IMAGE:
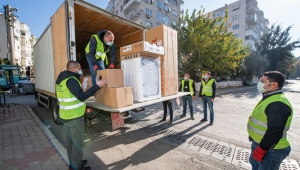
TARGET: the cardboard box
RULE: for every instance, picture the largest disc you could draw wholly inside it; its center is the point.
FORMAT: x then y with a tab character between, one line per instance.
115	77
167	37
142	47
86	82
115	97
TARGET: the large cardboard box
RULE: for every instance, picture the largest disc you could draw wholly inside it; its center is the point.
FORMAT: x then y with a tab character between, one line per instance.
167	37
115	77
86	82
115	97
142	47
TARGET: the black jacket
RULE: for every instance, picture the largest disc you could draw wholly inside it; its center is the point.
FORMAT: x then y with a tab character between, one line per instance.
75	87
186	84
277	116
93	47
213	87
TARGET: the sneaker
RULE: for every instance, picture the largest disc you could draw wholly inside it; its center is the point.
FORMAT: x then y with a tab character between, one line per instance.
170	123
182	116
192	117
203	120
211	123
162	120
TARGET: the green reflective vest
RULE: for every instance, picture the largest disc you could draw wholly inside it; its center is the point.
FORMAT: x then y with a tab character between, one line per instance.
190	85
207	88
100	53
69	106
257	122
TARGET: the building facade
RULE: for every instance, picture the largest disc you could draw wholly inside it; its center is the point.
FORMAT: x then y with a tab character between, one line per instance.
149	13
246	20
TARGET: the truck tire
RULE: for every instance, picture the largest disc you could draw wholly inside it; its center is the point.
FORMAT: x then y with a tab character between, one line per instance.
55	112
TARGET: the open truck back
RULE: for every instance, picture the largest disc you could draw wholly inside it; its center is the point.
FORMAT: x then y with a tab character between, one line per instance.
65	39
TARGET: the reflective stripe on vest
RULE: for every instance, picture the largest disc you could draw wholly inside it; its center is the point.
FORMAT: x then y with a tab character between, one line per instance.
190	85
100	53
69	106
258	123
207	88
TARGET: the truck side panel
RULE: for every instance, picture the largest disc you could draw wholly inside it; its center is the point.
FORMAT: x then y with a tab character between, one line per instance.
59	40
43	62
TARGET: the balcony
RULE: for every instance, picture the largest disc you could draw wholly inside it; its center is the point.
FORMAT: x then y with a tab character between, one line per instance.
182	2
251	28
131	4
251	19
133	15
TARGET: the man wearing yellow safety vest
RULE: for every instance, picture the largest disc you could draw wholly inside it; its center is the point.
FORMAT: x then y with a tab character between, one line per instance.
71	110
187	85
268	124
101	46
207	94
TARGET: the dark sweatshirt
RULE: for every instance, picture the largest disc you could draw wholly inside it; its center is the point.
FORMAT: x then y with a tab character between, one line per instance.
277	116
187	87
93	47
75	87
213	87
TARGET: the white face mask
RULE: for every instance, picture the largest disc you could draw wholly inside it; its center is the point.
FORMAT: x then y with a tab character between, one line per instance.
79	72
185	78
109	43
260	87
205	77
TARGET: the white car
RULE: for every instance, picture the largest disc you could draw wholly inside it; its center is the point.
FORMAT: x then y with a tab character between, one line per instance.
23	79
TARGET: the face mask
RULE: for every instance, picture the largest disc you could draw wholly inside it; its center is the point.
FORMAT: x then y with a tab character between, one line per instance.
109	43
205	77
185	78
260	87
79	72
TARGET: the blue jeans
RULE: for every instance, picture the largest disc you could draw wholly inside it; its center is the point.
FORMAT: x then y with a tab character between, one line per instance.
271	160
100	64
188	99
207	101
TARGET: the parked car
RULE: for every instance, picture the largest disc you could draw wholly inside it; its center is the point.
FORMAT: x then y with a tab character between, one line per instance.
23	79
298	78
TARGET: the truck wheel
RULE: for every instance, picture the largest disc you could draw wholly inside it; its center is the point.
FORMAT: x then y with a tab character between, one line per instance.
55	112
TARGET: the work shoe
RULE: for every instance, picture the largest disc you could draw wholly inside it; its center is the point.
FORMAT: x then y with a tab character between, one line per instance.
162	120
203	120
211	123
192	117
182	116
83	163
170	123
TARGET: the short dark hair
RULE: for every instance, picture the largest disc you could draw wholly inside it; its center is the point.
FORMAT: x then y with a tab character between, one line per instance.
208	72
275	76
107	33
71	64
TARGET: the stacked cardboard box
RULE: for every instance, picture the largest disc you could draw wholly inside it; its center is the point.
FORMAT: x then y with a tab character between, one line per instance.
166	37
142	47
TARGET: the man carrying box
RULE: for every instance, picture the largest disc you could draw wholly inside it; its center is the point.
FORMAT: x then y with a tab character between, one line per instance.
72	108
96	51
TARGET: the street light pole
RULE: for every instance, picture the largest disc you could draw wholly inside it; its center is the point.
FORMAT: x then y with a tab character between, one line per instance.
9	26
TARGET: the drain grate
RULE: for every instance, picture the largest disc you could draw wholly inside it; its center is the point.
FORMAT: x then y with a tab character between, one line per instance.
289	164
241	157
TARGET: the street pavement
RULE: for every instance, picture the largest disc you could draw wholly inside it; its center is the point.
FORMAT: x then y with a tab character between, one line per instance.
145	144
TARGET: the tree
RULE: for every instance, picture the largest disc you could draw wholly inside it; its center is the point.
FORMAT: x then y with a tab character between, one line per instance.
277	45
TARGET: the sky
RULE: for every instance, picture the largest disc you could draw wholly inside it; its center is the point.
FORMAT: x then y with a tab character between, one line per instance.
36	13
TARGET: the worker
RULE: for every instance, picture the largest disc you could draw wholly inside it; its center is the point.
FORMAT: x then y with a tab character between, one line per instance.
166	104
187	85
207	94
97	50
268	124
72	108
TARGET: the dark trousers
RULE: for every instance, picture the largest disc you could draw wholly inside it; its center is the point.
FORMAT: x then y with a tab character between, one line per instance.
75	139
168	104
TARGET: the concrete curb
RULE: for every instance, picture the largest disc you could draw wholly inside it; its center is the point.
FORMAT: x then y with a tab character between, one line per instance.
57	145
230	90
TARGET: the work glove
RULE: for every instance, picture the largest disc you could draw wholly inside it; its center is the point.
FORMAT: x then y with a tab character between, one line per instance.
258	154
95	67
112	66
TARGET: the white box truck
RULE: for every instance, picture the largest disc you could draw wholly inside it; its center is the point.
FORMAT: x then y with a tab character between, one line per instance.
65	38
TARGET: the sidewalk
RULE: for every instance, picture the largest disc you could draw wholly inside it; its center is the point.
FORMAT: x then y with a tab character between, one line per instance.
25	143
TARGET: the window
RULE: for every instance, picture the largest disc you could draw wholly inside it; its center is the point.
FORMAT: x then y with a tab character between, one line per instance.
236	17
110	6
235	8
175	12
236	35
149	1
116	12
159	17
121	8
167	8
174	23
174	2
166	20
160	4
148	12
216	14
148	24
235	27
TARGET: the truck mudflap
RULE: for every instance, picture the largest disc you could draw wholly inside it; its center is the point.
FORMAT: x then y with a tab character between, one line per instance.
117	120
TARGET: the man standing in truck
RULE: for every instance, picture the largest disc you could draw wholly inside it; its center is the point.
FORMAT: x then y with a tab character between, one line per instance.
100	46
72	107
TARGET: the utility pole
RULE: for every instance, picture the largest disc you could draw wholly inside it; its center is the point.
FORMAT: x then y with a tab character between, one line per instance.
10	22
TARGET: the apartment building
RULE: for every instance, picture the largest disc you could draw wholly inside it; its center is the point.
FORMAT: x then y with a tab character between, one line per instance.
149	13
246	20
